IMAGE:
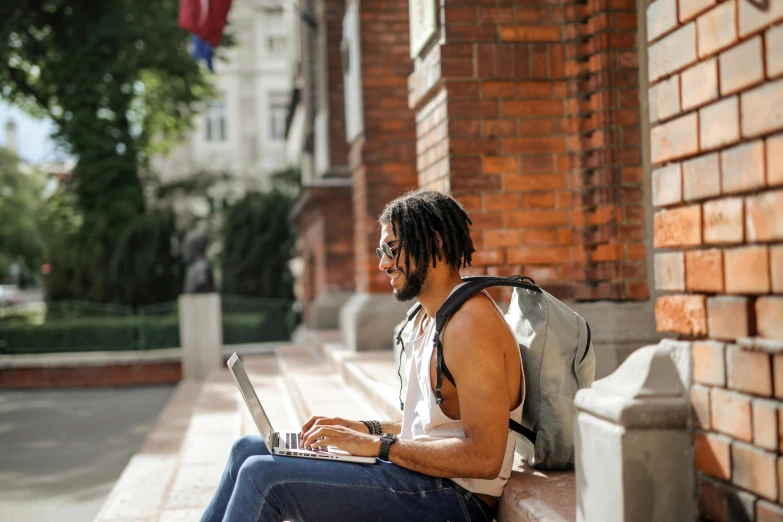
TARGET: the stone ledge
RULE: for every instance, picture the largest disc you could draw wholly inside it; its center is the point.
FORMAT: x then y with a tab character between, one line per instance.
533	495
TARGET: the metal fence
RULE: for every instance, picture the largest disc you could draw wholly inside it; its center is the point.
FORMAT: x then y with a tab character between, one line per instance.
78	326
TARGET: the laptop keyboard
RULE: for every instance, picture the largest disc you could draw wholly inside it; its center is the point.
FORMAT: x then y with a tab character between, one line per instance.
292	440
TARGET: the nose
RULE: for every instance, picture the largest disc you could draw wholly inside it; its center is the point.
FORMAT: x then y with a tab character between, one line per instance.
385	263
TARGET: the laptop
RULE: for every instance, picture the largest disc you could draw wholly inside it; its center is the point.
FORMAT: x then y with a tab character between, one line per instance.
279	442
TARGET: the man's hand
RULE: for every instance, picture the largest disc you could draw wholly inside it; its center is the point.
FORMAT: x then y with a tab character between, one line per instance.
342	437
319	421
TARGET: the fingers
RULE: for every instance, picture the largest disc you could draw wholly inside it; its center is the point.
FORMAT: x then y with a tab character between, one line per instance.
309	424
316	436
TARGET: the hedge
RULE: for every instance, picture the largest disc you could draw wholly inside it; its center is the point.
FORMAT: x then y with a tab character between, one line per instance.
134	333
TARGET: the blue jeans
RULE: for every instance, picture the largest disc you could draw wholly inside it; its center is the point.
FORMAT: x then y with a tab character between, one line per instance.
257	486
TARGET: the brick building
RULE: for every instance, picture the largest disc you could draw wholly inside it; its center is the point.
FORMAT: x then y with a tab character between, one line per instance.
627	156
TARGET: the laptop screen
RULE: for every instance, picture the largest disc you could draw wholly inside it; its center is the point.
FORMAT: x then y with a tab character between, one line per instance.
251	399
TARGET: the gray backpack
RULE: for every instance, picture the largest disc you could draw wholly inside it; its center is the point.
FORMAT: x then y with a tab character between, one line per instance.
557	357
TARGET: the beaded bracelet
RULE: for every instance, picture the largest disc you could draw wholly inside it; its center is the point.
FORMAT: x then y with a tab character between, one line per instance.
373	426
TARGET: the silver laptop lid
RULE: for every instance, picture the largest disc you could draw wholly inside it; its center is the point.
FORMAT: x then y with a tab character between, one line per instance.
251	399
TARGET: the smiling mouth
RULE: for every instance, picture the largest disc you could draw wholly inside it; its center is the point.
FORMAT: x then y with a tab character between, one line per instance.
394	276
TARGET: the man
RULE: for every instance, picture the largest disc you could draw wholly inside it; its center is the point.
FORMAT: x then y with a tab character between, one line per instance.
442	462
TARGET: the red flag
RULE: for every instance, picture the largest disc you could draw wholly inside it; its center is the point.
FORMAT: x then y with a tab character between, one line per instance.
204	18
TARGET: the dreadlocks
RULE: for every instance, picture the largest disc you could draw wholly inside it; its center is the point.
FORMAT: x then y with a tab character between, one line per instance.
417	215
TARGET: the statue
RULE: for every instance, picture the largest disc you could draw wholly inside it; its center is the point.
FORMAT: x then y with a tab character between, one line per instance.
198	278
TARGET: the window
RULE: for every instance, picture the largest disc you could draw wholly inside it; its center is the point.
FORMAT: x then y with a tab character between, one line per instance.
215	120
276	44
278	108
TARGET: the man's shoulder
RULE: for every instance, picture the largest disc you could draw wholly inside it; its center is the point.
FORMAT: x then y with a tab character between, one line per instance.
476	320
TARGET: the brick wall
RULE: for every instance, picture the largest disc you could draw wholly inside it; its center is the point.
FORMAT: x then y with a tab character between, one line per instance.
383	159
529	115
326	243
716	105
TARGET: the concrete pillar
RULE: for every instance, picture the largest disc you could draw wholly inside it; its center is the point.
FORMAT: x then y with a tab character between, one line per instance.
201	334
634	456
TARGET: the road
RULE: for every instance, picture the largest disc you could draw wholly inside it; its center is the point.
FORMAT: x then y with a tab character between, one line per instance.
61	451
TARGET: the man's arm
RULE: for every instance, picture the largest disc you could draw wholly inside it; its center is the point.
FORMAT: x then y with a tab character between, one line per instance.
477	364
318	421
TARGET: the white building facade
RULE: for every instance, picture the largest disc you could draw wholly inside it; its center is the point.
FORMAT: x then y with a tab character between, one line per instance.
241	132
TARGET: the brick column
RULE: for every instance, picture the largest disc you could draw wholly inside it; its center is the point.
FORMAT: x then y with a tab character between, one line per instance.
529	115
716	96
382	162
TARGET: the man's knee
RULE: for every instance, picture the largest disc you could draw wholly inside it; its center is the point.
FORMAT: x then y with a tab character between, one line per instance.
244	448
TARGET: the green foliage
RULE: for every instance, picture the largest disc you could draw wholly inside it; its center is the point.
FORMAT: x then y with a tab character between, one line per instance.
21	204
117	80
257	244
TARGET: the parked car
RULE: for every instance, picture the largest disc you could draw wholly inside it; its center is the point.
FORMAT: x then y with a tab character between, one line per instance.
9	295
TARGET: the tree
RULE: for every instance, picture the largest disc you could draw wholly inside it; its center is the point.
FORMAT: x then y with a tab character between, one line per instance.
117	80
21	202
257	244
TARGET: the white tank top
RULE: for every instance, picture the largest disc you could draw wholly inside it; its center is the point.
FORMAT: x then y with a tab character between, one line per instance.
422	416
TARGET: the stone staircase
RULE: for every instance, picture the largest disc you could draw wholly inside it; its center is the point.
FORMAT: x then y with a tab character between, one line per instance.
175	472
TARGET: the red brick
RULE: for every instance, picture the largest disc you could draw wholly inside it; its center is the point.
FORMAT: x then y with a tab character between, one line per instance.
719	124
664	99
774	146
667	185
751	18
708	363
499	127
607	252
535	89
763	216
704	270
526	182
528	33
502	201
674	52
637	251
723	221
498	89
701	177
768	512
730	414
501	238
661	18
765	424
678	227
774	41
717	28
457	15
472	108
540	237
670	271
777	377
471	33
776	268
713	455
762	109
537	218
700	406
747	270
691	8
699	84
684	314
533	145
741	66
529	14
742	167
538	200
538	255
748	371
488	257
496	15
728	317
675	139
533	108
754	470
769	311
500	164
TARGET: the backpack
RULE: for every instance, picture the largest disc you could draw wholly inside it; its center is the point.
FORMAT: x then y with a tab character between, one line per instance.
557	356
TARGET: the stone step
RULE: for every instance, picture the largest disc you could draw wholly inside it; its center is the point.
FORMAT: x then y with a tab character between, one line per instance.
141	489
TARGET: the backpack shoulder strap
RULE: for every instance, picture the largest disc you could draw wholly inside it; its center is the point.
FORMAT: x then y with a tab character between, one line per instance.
453	303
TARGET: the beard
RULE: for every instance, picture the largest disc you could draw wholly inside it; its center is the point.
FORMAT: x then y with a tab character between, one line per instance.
414	282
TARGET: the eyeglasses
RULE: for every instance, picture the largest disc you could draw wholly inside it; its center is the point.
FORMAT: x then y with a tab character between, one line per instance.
386	250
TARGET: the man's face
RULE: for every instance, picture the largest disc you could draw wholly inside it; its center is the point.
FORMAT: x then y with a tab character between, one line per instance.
406	282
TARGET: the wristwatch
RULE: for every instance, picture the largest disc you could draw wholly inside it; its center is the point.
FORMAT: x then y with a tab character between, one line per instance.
387	439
